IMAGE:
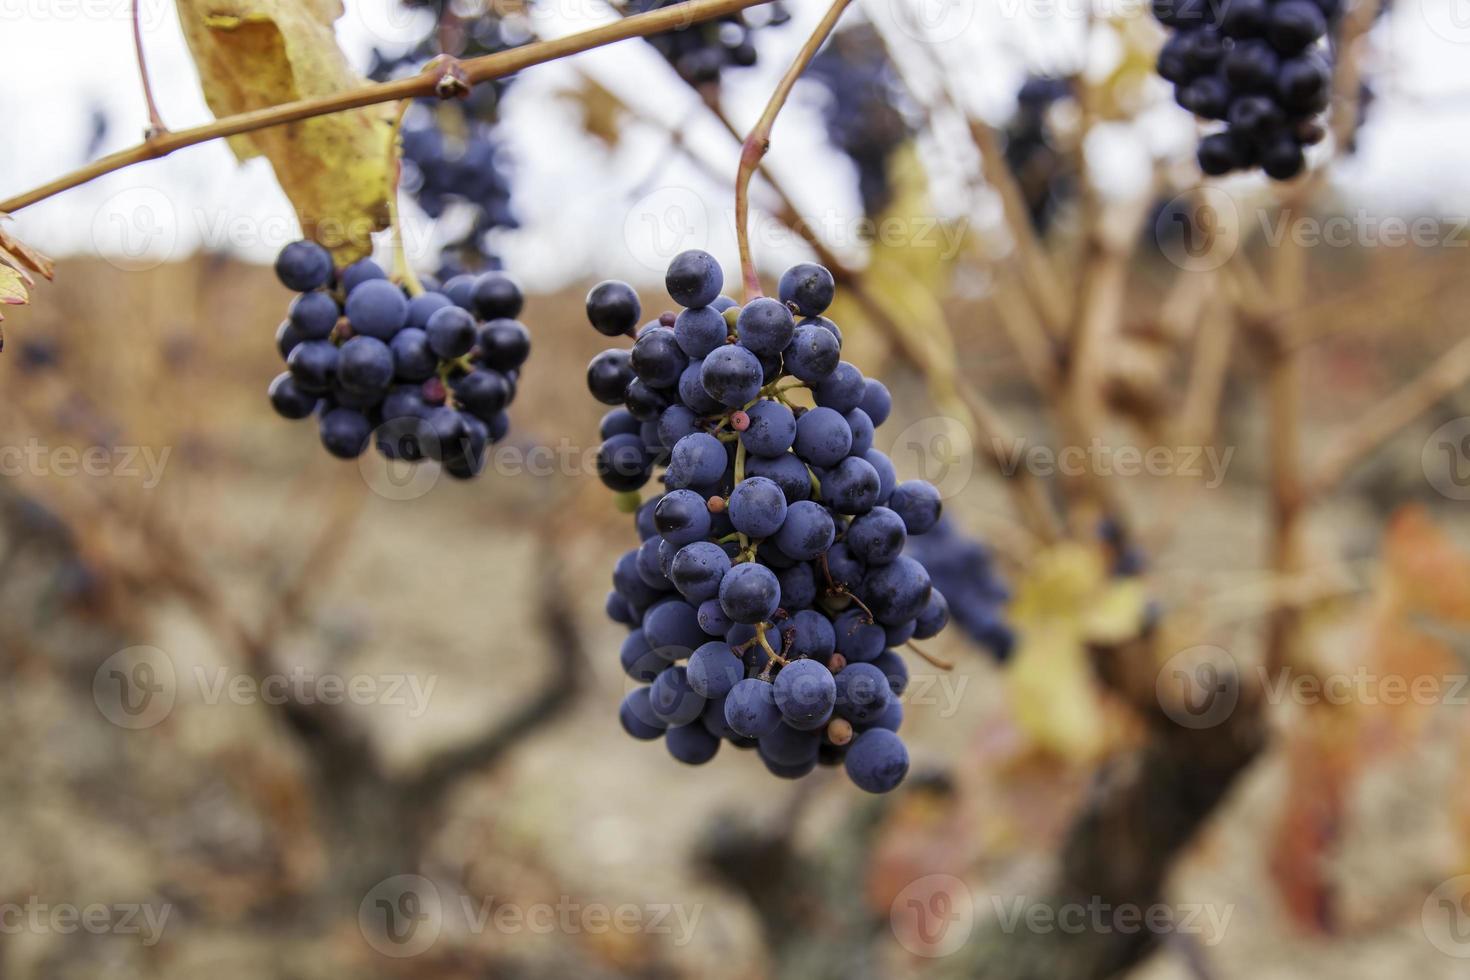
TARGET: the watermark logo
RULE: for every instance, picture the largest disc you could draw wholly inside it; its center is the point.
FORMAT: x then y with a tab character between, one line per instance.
1198	231
938	449
933	21
1446	459
402	916
1199	687
1449	20
933	916
135	688
664	223
138	687
1446	917
136	229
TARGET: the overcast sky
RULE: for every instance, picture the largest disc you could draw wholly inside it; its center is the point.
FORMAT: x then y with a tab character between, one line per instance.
587	212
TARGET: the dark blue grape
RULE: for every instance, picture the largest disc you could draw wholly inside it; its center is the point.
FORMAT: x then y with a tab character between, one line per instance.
750	708
290	401
750	593
877	761
698	460
698	569
731	375
314	315
700	331
808	287
345	432
304	266
413	360
377	308
757	507
365	364
691	744
842	390
765	326
613	308
638	718
807	532
862	693
714	670
672	699
805	693
813	353
694	278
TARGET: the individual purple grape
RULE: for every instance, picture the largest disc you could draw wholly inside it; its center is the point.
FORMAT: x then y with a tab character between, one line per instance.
765	326
377	308
694	278
714	670
750	593
699	331
732	376
757	507
805	693
877	761
808	287
613	308
304	266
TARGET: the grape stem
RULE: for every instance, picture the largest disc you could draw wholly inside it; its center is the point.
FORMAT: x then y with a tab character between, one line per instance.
156	128
740	476
939	662
474	71
758	142
402	268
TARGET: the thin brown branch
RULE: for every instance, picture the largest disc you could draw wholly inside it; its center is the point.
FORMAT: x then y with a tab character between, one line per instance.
566	667
472	71
1390	416
758	142
155	121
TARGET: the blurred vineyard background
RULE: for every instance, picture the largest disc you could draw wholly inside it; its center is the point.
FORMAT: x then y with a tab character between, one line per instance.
221	536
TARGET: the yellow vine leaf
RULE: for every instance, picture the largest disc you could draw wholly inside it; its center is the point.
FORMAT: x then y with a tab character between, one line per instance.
1066	601
334	168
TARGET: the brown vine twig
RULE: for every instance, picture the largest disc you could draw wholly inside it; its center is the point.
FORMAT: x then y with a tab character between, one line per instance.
475	71
155	121
1390	416
759	141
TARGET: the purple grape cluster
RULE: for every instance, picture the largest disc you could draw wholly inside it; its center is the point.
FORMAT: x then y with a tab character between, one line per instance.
964	570
451	154
1258	66
869	113
431	376
771	585
1044	172
700	52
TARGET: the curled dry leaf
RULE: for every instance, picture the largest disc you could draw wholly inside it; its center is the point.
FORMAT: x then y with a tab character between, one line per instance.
334	168
17	261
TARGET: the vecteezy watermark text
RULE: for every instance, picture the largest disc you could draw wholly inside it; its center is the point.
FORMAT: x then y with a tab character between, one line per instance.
64	919
35	458
403	916
1099	459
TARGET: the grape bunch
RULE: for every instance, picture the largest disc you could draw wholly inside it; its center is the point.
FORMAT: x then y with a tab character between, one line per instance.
770	588
1259	66
700	52
432	375
964	570
1043	171
452	156
868	112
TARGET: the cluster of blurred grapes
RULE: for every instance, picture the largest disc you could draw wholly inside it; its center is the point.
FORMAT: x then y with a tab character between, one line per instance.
1045	173
452	159
869	113
701	52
